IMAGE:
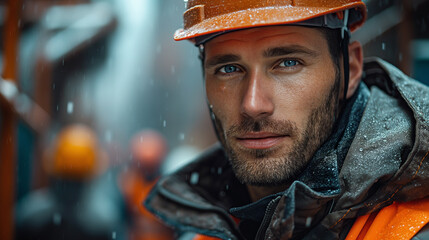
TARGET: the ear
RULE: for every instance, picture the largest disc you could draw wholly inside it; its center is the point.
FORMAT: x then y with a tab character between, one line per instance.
356	67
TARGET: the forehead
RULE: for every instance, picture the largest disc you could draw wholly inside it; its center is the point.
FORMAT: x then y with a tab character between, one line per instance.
275	35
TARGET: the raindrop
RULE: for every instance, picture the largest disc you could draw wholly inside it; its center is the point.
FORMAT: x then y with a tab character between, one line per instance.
164	124
364	137
53	86
182	136
57	219
194	178
360	149
70	107
113	235
383	46
58	107
108	136
219	171
173	69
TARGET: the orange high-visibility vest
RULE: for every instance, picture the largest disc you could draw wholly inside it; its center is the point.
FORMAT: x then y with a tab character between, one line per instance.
145	225
399	221
203	237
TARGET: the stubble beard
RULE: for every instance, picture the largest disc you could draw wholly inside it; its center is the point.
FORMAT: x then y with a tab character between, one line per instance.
279	166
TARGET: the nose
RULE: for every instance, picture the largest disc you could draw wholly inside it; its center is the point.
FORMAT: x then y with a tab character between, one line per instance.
257	99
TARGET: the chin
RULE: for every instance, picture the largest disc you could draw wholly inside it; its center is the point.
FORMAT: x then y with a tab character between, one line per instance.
266	167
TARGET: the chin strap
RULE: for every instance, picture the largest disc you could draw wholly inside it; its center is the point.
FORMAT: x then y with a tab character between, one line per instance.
345	36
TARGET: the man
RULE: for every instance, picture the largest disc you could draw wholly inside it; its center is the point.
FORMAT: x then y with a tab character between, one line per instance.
148	149
314	144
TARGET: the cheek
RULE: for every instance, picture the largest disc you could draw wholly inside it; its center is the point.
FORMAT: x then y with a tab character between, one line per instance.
296	99
221	101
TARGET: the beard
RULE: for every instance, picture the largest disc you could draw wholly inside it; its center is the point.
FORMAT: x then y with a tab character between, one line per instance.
279	165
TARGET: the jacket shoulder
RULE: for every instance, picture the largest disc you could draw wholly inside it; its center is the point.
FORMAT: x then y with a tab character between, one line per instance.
391	80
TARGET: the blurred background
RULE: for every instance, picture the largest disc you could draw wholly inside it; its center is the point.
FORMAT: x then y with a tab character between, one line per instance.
96	97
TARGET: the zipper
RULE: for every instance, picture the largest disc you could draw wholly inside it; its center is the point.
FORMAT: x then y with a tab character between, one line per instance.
269	211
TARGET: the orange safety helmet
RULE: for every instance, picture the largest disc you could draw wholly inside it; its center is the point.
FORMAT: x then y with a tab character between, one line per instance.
75	153
207	17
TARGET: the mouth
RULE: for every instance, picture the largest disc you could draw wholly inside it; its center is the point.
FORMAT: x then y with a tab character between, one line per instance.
260	140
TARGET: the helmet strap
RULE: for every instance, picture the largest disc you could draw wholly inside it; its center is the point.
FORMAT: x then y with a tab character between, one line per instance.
345	36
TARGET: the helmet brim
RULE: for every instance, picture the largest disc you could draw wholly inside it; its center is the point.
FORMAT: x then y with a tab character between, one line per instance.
267	16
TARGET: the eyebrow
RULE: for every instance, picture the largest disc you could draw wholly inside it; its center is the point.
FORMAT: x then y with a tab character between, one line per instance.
271	52
221	59
294	49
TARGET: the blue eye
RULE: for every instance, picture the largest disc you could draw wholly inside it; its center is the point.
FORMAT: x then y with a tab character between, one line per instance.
228	69
288	63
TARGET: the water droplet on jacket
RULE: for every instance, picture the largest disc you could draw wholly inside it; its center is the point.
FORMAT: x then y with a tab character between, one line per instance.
308	221
360	149
194	178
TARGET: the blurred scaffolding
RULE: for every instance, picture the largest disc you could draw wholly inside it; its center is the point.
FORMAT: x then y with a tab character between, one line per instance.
113	66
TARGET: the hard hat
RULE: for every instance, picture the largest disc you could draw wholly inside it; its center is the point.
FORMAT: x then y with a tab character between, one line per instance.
75	153
207	17
148	149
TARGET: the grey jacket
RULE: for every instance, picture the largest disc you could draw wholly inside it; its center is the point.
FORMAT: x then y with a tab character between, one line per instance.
388	160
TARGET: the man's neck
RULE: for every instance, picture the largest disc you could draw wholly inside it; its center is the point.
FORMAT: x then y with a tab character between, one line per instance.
258	192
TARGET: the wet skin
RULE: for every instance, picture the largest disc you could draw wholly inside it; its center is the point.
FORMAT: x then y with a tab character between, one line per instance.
273	92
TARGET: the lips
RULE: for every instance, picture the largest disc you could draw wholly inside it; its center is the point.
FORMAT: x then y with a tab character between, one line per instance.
260	140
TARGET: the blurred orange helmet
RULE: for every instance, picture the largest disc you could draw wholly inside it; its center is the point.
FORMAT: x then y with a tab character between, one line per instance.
148	149
208	17
75	153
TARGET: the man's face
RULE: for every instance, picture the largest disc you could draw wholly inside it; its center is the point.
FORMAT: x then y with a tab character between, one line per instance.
274	94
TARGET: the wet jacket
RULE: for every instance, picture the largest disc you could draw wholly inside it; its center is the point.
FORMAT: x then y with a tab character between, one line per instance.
386	161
